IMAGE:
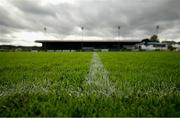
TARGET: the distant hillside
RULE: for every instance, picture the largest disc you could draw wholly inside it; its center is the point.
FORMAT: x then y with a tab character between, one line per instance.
18	48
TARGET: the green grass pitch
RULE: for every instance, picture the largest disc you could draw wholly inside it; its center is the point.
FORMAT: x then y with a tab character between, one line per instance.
55	84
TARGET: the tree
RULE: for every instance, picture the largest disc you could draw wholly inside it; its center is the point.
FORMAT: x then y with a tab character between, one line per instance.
154	38
171	48
169	42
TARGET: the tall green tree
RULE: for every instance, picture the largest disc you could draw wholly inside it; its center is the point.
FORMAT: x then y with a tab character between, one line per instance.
154	38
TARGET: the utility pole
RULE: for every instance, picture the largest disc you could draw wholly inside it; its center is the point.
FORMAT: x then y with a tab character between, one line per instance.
119	28
82	29
45	29
157	29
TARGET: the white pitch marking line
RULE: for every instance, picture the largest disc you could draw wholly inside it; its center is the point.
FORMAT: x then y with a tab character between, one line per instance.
98	78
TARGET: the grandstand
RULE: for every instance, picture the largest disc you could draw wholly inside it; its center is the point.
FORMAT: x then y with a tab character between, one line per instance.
87	45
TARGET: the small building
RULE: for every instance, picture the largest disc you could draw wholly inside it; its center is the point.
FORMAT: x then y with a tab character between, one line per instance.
152	46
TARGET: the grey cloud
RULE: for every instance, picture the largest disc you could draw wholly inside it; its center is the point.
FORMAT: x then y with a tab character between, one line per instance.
99	17
32	7
6	40
6	20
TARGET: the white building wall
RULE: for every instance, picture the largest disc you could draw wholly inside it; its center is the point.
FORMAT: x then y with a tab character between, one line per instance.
177	46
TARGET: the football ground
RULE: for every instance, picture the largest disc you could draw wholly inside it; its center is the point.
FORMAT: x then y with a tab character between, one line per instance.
90	84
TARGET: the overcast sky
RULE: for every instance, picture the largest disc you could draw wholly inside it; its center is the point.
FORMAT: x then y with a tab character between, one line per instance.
22	21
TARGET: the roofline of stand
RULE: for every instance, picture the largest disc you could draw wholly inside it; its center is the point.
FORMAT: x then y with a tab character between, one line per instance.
78	41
